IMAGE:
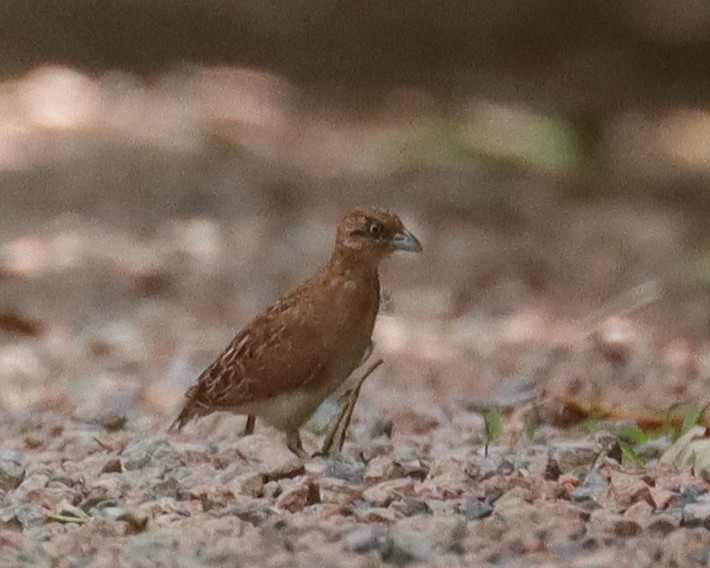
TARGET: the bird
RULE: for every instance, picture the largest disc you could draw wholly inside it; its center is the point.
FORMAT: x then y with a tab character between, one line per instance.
290	358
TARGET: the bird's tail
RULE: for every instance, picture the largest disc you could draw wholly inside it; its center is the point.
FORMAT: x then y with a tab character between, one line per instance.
186	414
191	409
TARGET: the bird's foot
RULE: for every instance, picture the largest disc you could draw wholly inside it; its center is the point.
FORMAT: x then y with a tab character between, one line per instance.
293	442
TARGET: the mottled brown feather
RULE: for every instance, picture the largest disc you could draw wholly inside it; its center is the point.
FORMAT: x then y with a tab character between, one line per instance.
296	353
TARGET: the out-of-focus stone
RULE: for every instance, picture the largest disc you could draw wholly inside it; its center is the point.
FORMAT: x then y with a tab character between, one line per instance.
571	457
251	484
362	539
253	511
337	491
591	489
474	509
12	469
301	494
149	452
346	468
410	507
269	456
385	492
697	514
375	515
22	516
381	468
629	489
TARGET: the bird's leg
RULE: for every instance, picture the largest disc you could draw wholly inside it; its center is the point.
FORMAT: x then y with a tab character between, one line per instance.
334	440
249	426
293	441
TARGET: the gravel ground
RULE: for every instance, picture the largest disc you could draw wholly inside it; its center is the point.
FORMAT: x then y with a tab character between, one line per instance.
125	270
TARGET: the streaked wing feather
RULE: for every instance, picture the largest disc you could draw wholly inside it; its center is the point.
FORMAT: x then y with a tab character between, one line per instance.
272	355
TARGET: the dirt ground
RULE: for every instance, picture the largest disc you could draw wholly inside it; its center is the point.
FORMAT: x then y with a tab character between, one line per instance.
133	245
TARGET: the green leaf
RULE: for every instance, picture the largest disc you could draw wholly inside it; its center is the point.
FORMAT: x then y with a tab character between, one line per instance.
491	420
629	455
692	418
633	434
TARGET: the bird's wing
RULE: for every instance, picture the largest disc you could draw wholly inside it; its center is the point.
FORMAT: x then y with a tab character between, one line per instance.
277	353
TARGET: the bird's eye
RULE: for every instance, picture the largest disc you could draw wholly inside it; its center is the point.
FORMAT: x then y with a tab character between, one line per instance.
375	228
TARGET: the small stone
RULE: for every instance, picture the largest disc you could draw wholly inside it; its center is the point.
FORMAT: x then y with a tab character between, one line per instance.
640	512
591	488
251	484
22	516
112	466
168	487
662	526
361	540
12	469
375	515
625	528
385	492
254	511
303	493
572	457
336	491
271	490
474	509
424	537
154	452
409	507
662	498
382	468
381	427
629	489
269	456
346	468
403	550
698	513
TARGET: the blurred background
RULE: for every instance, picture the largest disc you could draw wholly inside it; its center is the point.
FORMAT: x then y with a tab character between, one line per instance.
167	169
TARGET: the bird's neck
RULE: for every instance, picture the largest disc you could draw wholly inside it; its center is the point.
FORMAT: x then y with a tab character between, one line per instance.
352	264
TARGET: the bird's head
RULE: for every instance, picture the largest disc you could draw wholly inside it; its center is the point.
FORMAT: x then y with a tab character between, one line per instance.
374	233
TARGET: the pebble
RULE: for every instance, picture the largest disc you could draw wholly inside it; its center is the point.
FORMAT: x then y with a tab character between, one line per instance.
697	514
474	509
571	457
590	489
301	494
345	468
12	469
269	456
153	452
409	507
385	492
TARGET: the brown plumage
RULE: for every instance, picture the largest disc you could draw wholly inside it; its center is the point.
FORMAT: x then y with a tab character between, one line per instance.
290	358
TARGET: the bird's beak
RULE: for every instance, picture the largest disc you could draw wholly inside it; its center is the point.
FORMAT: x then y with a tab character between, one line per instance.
406	241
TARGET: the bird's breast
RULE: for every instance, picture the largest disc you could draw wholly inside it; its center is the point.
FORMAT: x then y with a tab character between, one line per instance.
351	311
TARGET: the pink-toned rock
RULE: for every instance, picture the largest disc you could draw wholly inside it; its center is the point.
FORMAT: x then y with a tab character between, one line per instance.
51	497
662	498
381	468
641	512
302	493
337	491
251	484
628	489
385	492
375	515
447	479
216	495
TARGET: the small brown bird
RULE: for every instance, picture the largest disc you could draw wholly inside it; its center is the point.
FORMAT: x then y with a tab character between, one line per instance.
290	358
